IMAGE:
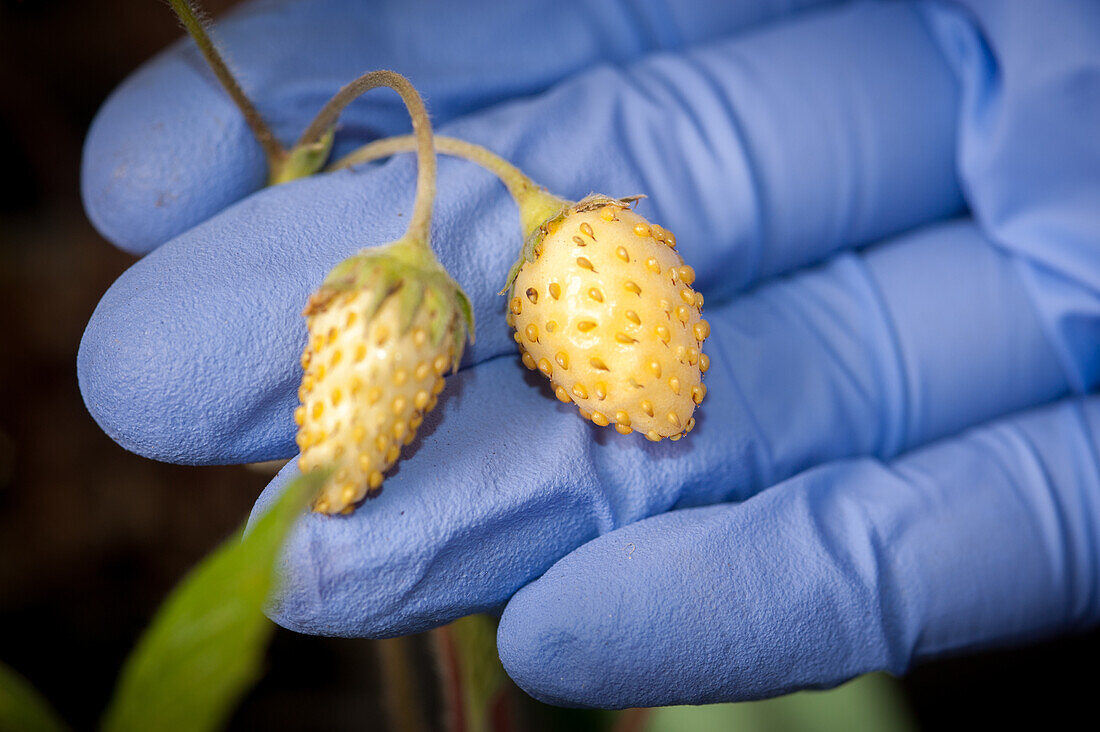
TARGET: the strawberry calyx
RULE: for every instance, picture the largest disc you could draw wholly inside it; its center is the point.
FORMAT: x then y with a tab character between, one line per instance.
302	161
408	270
535	233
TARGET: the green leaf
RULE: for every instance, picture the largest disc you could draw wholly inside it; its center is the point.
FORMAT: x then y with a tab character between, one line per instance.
22	708
205	646
871	702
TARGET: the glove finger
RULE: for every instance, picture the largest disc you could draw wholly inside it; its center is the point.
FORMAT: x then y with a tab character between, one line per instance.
763	152
918	339
168	149
1028	153
984	540
192	356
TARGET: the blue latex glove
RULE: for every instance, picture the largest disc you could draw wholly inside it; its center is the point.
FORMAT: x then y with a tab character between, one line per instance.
855	529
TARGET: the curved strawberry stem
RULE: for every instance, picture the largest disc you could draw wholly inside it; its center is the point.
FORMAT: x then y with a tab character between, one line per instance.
420	223
514	178
189	17
536	204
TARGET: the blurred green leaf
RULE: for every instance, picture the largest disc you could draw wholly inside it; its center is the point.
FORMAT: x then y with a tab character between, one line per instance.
871	702
22	708
205	646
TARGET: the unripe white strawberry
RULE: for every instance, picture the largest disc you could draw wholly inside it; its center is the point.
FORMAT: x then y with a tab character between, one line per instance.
383	329
601	301
602	305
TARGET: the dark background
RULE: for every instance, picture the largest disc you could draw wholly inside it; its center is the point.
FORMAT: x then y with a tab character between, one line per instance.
92	537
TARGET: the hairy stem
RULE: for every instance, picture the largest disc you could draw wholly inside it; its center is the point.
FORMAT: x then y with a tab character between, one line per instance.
187	15
535	203
420	140
510	175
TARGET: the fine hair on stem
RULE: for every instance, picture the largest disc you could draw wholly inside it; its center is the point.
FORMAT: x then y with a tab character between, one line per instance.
192	21
420	224
536	205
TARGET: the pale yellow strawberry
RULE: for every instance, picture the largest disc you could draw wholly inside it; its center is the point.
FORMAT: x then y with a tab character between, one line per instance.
373	367
602	304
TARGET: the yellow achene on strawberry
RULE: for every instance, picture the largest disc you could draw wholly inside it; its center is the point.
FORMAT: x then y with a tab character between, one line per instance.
603	305
383	330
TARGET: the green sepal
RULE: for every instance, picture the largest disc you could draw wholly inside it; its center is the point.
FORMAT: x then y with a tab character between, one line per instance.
467	310
384	286
410	295
434	302
303	161
532	247
409	271
532	244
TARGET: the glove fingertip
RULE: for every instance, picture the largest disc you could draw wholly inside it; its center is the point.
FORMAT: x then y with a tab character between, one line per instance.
166	151
148	361
545	641
526	649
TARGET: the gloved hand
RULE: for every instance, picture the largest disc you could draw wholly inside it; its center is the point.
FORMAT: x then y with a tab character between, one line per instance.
824	518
